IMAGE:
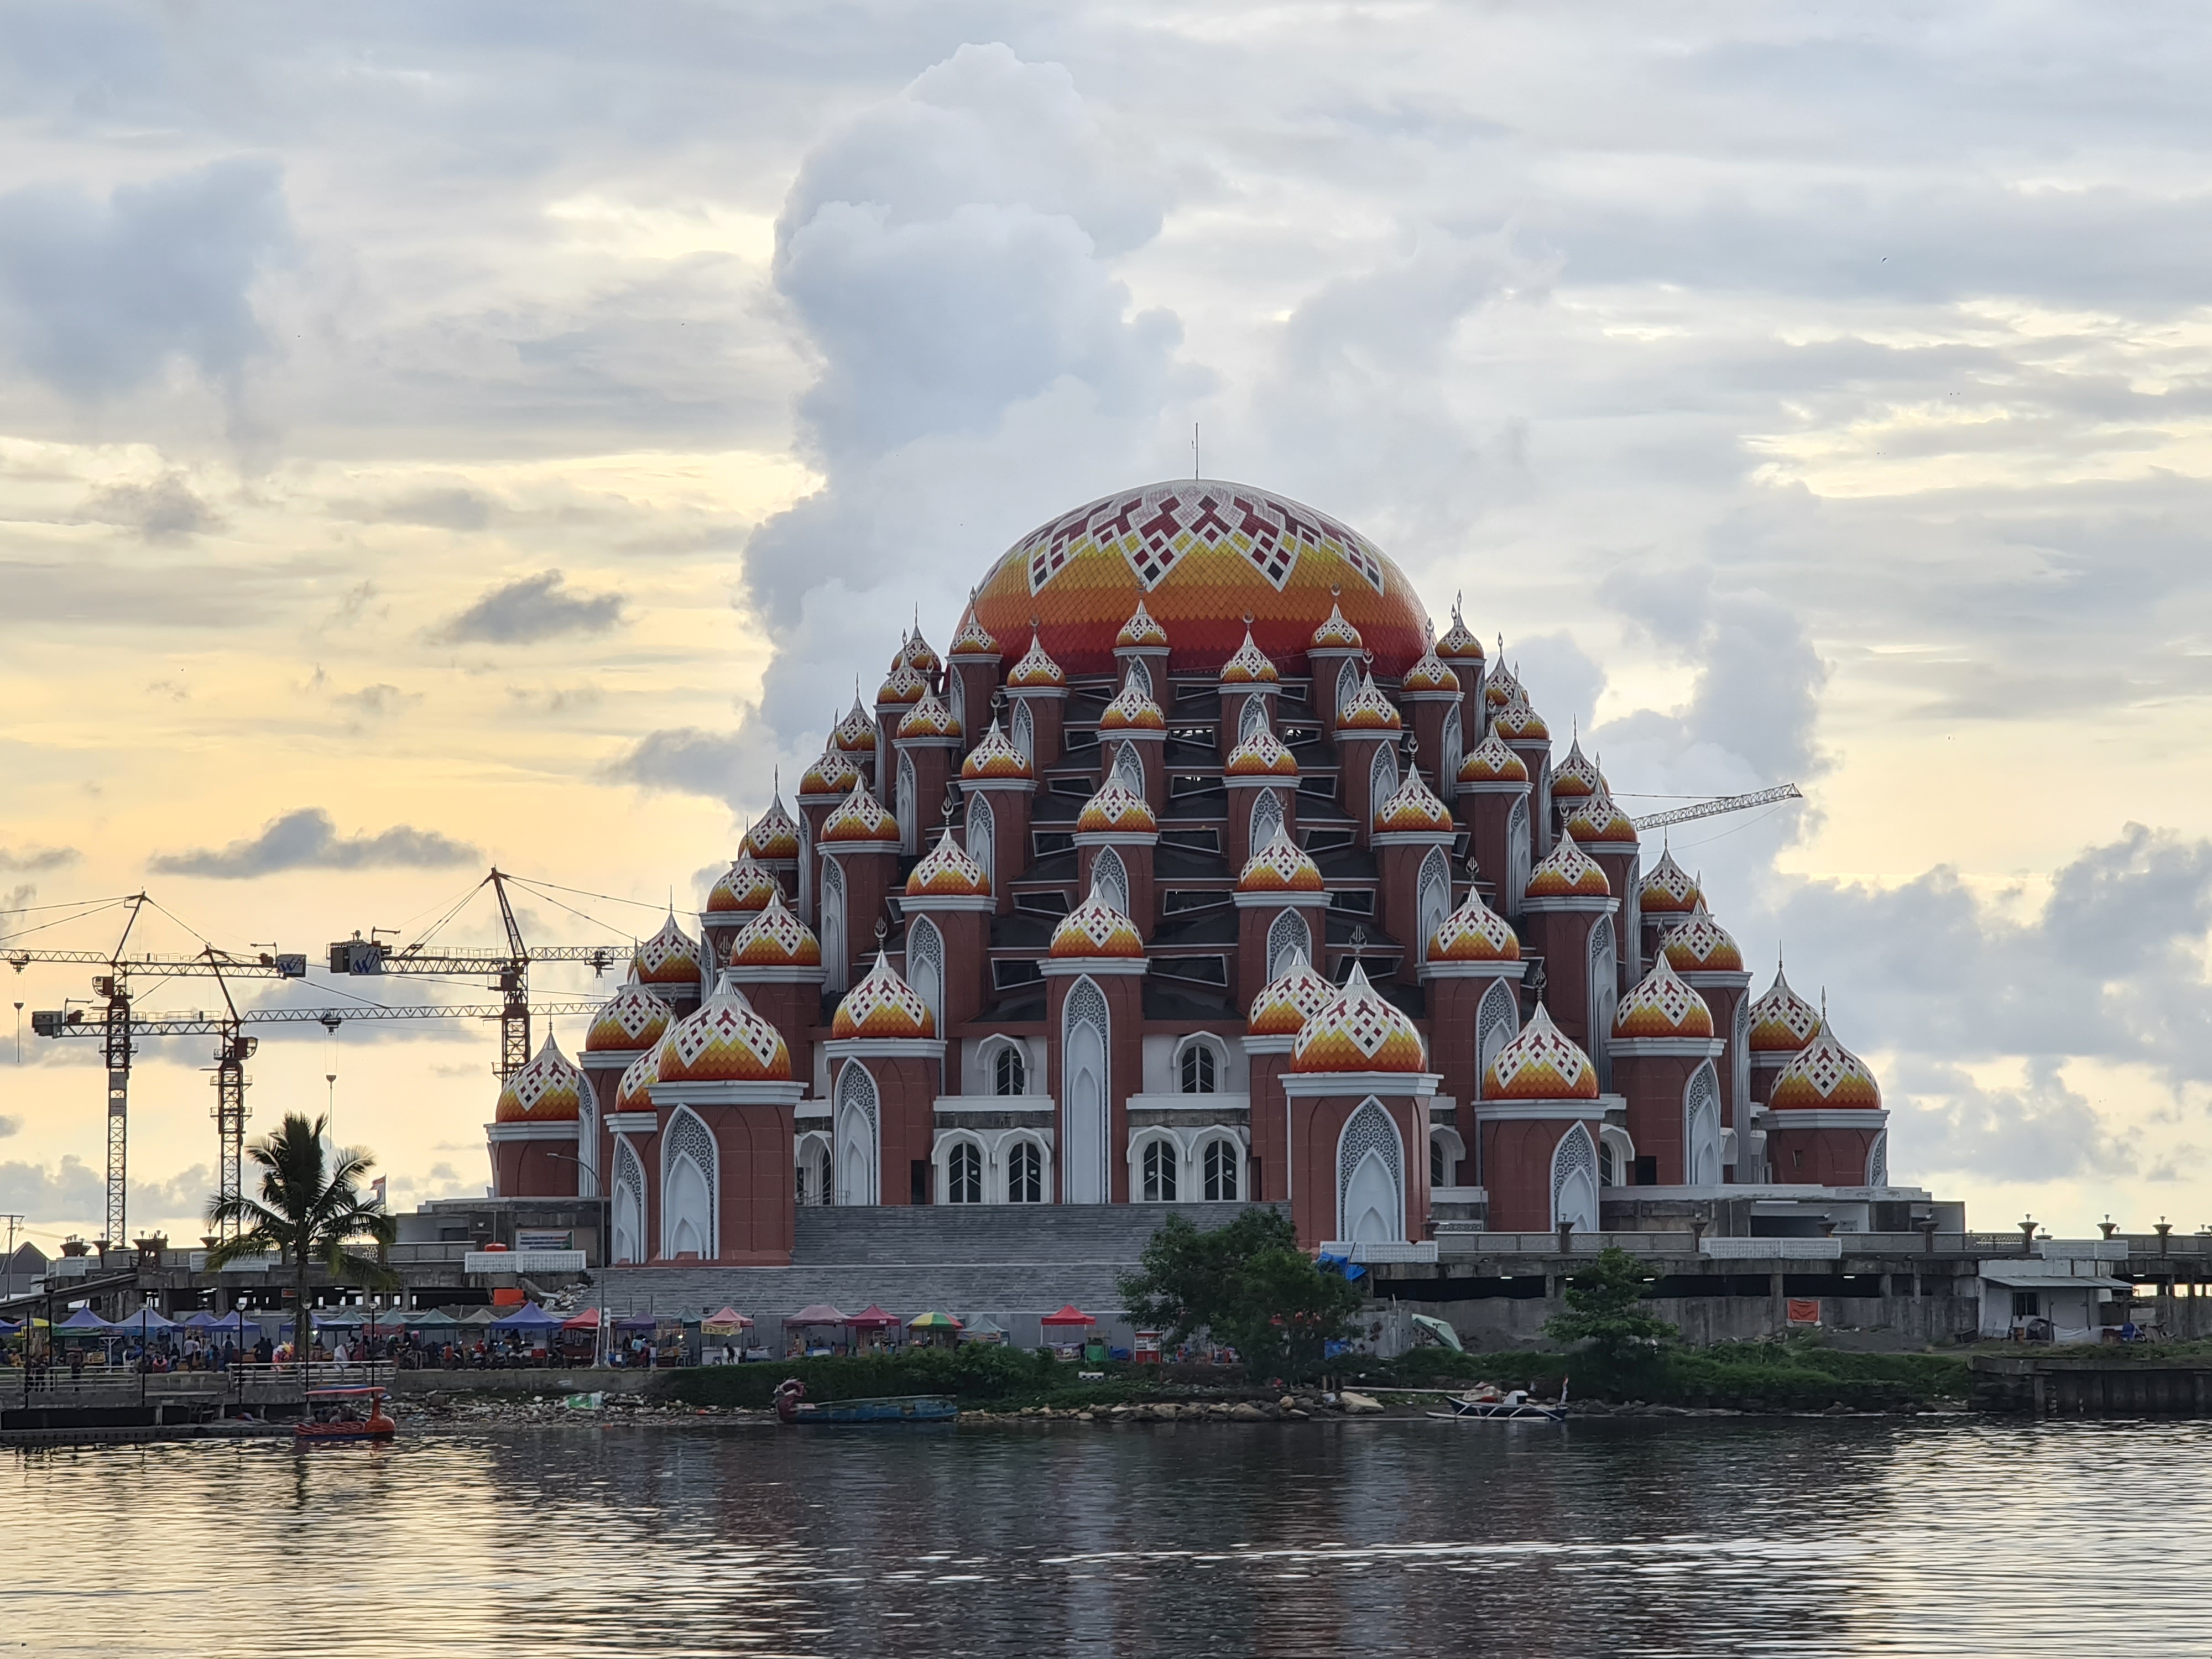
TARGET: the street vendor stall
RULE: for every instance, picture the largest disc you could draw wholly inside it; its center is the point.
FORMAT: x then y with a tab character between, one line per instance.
722	1337
807	1325
934	1330
1066	1334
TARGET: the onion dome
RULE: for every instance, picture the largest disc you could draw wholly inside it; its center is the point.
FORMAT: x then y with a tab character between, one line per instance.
905	686
882	1005
1492	762
1474	932
1662	1004
745	885
1412	807
1567	872
634	1093
668	957
1702	945
1368	710
861	818
1035	670
1359	1030
1825	1074
833	775
1782	1022
1285	1004
1262	755
1458	645
996	756
1280	866
631	1019
974	640
723	1042
1132	711
918	656
1336	634
856	732
776	938
1519	722
1095	928
1116	807
1542	1063
947	872
549	1089
1499	688
775	834
1667	889
1597	822
1429	674
929	718
1141	632
1250	665
1576	776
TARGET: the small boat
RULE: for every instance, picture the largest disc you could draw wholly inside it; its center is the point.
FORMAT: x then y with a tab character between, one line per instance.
339	1416
1515	1407
792	1407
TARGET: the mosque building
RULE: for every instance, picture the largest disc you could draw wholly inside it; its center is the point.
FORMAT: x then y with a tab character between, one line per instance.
1195	869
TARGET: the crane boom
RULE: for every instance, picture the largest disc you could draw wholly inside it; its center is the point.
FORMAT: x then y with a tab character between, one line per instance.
1713	809
71	1023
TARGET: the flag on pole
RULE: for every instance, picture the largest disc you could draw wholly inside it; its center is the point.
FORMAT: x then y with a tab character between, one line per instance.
376	1192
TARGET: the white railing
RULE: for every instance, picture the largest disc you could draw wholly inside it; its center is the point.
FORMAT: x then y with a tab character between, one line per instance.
1374	1255
1772	1249
523	1261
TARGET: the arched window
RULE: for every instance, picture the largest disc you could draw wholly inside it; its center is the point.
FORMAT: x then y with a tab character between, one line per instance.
1025	1174
1609	1164
1266	817
688	1165
835	955
1084	1084
983	836
1370	1178
813	1171
1109	878
1198	1070
630	1204
1437	1162
1516	858
806	871
1701	1114
1347	683
856	1131
1574	1180
964	1173
909	813
1877	1170
1382	776
1604	997
1435	901
1140	677
1024	730
956	698
1454	749
1496	1021
1446	1151
1219	1169
1159	1167
1129	769
925	967
1253	720
1010	1073
1740	1061
1289	939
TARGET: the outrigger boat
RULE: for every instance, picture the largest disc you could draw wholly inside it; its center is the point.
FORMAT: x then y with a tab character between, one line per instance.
792	1407
336	1416
1490	1407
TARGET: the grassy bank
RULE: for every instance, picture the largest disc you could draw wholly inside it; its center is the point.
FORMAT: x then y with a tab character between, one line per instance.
974	1374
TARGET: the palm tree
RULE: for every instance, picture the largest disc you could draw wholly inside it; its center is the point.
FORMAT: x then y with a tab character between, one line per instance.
309	1212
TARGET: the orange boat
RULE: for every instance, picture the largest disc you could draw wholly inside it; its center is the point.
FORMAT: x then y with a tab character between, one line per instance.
336	1416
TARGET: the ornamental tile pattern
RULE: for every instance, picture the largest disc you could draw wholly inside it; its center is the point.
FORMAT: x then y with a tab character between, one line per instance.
947	872
746	885
1262	755
1132	711
632	1019
1576	776
776	938
1502	684
1250	665
1782	1022
882	1005
1826	1074
918	656
1702	945
1359	1031
1519	722
996	756
1662	1004
549	1089
1542	1063
1474	932
1141	630
1095	928
1669	890
1336	634
929	718
905	686
1429	674
668	957
1567	872
1414	807
775	834
832	775
1458	645
1280	867
1368	710
1035	669
1285	1004
1597	821
725	1041
861	818
974	640
1492	762
634	1093
1116	807
856	732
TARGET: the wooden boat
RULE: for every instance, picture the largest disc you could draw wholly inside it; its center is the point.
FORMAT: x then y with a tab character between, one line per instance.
337	1416
792	1407
1501	1411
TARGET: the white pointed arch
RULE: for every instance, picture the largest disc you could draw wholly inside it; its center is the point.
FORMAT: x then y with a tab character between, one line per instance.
587	1144
1496	1023
1739	1059
1140	677
1370	1177
1433	900
925	967
1254	718
629	1217
806	872
1382	775
1347	683
1109	878
1604	998
1024	730
1574	1180
836	954
1288	936
1085	1098
1518	861
956	698
983	836
1454	749
690	1178
1266	817
1877	1169
910	811
1129	769
1701	1128
854	1131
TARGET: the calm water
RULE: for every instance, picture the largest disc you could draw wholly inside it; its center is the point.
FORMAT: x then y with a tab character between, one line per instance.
1599	1540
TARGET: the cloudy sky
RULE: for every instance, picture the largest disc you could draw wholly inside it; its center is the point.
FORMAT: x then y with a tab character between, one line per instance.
437	435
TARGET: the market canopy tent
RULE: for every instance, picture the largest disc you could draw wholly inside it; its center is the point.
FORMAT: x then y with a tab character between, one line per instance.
1069	1315
933	1322
429	1319
587	1321
984	1328
528	1317
147	1319
821	1313
728	1322
873	1318
85	1322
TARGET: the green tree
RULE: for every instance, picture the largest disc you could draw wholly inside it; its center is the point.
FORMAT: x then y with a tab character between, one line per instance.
1247	1284
1602	1309
310	1212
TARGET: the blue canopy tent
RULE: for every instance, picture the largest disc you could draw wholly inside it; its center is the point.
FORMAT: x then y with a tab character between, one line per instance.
529	1317
85	1322
147	1321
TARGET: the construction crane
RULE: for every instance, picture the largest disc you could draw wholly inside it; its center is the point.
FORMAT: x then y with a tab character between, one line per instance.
233	1048
1713	809
115	990
508	970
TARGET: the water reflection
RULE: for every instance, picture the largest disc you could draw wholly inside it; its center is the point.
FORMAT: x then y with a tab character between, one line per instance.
1376	1539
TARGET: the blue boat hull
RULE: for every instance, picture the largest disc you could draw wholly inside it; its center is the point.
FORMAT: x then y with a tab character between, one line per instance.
918	1408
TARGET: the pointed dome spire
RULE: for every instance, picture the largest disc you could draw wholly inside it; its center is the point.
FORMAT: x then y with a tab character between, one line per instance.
1669	890
947	872
996	756
747	885
775	938
832	775
549	1089
1567	872
1288	1002
668	957
634	1093
882	1005
1412	808
1336	634
1131	710
632	1019
1782	1022
1702	945
1140	632
861	818
1458	645
918	656
1492	762
929	718
1280	866
1368	710
1595	821
1262	755
1499	688
856	732
775	834
974	640
1429	677
1037	671
1825	1074
1358	1029
1094	928
724	1041
1250	665
1576	776
1115	808
1519	722
1473	933
903	686
1662	1004
1542	1063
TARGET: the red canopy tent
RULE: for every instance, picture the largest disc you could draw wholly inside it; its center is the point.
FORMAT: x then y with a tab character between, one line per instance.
587	1321
821	1313
872	1318
1069	1315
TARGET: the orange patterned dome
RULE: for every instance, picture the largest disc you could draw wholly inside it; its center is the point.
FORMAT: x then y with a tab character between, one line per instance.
905	686
856	732
1519	722
1262	755
1199	555
1035	670
1662	1004
1357	1030
861	818
974	640
996	756
1428	675
776	938
1782	1022
947	872
633	1018
1567	872
1285	1004
1412	809
882	1005
1141	632
1499	688
1095	928
1132	711
1474	932
745	886
775	834
1458	645
1335	634
1115	808
929	718
723	1042
918	656
634	1093
1667	889
668	957
1542	1063
1368	710
1596	822
1576	776
1824	1075
1280	867
1250	665
1492	762
832	775
1702	945
549	1089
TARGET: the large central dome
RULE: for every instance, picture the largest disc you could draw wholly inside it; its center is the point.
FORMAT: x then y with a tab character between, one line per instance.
1203	556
